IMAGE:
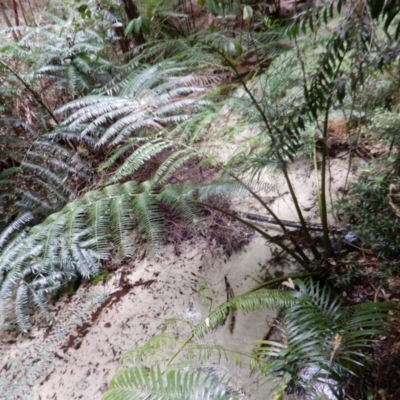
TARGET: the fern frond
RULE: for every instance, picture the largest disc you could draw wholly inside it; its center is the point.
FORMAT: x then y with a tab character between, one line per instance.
325	348
178	199
75	240
123	149
122	224
252	301
134	124
230	186
21	308
16	226
156	349
141	383
39	300
171	164
33	201
98	218
139	157
92	107
149	219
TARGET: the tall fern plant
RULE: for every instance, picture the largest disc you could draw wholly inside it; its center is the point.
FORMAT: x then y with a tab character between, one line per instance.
128	122
285	106
129	115
66	56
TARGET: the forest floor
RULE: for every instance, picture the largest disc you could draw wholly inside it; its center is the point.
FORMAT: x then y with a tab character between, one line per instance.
94	327
76	358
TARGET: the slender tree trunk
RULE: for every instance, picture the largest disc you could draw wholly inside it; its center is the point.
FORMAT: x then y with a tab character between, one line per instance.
123	42
32	12
7	20
133	12
16	13
24	14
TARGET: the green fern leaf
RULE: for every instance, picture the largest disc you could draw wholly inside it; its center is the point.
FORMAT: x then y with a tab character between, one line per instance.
140	383
149	219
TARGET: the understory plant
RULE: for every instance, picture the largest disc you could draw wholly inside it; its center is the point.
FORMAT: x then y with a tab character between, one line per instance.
101	115
322	350
97	169
327	354
376	193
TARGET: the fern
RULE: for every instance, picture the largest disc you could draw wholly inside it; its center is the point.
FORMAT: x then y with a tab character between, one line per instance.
323	349
38	180
58	52
141	383
75	240
326	342
250	302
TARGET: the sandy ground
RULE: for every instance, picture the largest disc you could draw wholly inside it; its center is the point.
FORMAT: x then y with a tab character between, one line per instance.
77	357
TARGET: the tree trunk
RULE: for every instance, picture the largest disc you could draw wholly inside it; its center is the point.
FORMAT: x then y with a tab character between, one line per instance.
133	12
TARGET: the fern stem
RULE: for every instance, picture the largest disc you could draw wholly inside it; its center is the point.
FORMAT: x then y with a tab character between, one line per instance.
270	211
322	193
303	223
183	345
280	279
267	124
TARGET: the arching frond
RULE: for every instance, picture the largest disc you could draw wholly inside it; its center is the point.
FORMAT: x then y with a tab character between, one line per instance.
230	186
139	156
75	240
149	219
179	199
38	181
141	383
325	341
16	226
131	115
257	300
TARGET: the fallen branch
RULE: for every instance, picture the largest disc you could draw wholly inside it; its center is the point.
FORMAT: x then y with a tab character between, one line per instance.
291	224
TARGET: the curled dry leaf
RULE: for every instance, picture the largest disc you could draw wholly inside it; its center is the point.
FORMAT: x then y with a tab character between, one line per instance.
289	283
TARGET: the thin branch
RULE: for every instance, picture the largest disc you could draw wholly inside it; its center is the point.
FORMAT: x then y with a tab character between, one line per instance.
314	250
36	95
277	242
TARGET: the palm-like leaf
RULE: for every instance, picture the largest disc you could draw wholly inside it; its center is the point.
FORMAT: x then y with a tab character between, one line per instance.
138	383
274	299
325	341
74	240
129	115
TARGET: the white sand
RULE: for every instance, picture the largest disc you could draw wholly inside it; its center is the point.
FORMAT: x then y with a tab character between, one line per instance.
68	362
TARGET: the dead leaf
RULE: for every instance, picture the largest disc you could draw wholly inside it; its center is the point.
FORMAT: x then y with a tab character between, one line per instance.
289	283
336	341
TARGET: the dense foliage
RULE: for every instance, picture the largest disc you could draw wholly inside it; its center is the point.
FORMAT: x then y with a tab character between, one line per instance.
104	105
